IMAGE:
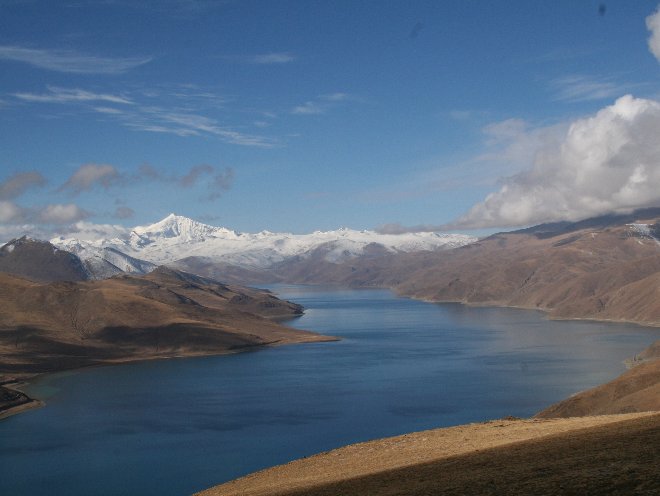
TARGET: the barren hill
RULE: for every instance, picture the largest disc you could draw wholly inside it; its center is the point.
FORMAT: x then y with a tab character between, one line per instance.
54	326
40	261
607	272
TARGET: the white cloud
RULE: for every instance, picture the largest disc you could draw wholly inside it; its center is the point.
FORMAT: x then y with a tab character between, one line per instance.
66	95
61	214
70	61
10	213
653	25
13	231
609	162
87	176
88	231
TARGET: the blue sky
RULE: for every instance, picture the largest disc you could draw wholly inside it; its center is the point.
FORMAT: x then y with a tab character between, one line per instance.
311	115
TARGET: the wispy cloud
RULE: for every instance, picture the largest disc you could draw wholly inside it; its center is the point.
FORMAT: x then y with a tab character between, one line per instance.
70	61
322	103
272	58
158	120
182	116
69	95
217	181
308	108
123	212
576	88
89	176
17	184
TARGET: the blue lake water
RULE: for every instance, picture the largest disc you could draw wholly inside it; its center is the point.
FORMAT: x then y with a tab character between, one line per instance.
173	427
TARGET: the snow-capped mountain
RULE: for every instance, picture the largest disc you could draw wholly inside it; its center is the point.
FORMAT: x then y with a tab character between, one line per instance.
104	261
176	237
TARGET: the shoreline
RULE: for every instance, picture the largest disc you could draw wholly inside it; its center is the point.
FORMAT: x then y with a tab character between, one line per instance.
12	384
30	404
546	311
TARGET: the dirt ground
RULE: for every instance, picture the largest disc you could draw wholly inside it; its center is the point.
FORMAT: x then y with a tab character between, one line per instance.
602	455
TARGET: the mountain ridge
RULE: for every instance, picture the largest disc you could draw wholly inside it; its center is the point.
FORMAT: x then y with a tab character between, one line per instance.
176	237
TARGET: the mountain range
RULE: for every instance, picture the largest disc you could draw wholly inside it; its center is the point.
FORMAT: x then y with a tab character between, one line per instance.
177	238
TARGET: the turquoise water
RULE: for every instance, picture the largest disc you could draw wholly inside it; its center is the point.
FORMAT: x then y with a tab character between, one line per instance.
173	427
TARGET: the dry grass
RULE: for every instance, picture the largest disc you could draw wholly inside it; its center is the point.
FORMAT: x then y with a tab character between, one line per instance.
589	455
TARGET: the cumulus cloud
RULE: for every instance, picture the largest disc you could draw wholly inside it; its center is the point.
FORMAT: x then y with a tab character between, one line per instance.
653	25
609	162
90	175
69	61
17	184
10	213
88	231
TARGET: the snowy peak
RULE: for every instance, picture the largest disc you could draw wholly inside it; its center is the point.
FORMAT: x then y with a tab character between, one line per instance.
177	226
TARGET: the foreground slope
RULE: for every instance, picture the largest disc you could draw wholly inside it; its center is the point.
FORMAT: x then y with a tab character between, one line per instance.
637	390
46	327
604	455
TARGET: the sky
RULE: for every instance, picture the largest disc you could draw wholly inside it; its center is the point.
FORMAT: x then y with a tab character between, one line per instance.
465	116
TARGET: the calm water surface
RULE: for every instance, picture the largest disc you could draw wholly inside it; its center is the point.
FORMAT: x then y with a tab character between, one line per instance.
173	427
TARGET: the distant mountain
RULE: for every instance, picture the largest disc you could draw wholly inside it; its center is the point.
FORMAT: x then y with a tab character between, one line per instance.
605	269
55	326
40	261
175	238
103	262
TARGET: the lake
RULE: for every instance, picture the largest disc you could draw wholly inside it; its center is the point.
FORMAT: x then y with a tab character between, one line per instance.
172	427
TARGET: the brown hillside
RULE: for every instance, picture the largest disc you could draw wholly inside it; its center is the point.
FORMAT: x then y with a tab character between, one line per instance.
611	273
608	455
53	326
637	390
